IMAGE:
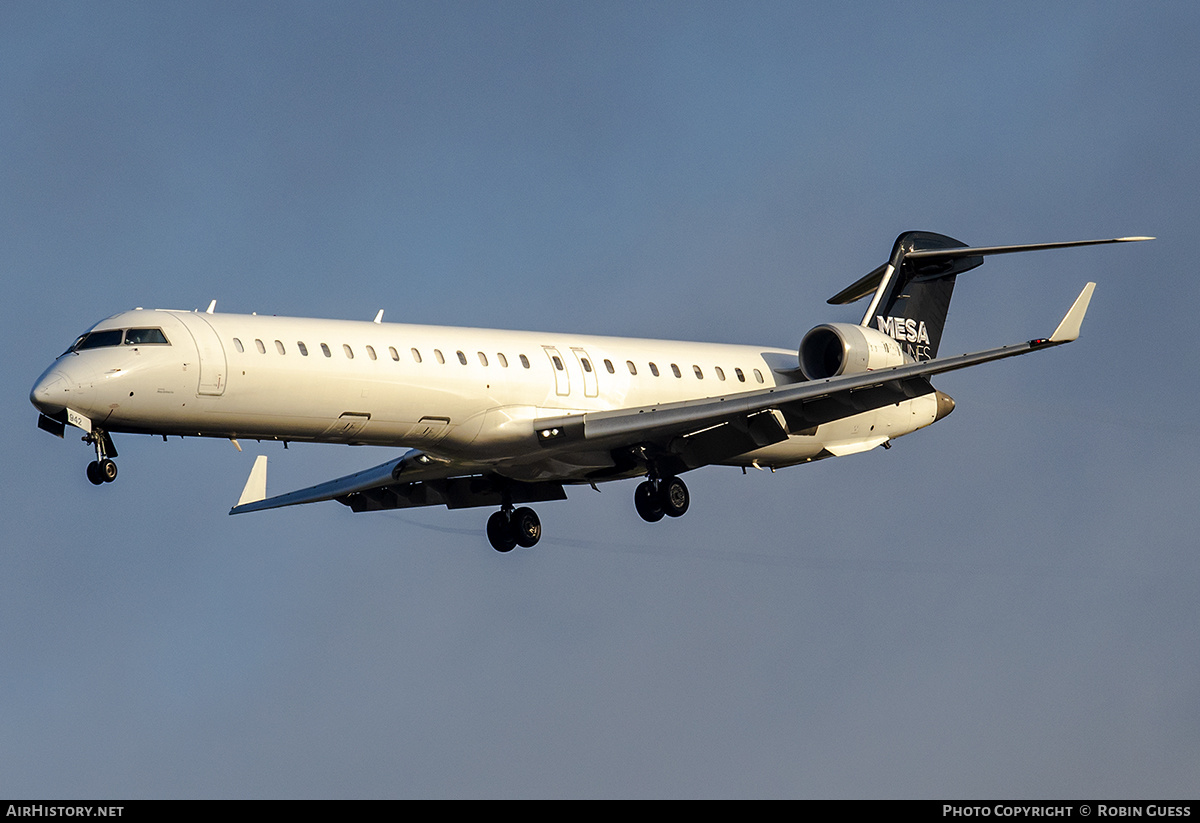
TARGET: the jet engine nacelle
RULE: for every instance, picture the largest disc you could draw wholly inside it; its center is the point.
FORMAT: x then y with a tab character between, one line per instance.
843	348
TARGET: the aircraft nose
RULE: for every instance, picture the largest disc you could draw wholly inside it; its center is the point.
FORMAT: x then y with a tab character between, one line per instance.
49	393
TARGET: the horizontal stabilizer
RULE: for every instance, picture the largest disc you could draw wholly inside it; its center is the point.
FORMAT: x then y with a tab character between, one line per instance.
868	284
978	251
862	287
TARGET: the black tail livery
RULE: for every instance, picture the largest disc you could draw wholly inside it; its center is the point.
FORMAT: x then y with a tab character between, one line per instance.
912	290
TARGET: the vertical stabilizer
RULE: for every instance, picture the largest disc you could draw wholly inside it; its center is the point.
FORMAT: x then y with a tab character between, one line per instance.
913	296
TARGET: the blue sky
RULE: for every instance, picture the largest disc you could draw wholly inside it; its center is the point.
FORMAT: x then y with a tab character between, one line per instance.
1001	605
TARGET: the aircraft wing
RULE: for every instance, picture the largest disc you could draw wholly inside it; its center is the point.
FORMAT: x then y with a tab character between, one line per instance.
414	479
688	434
412	467
809	403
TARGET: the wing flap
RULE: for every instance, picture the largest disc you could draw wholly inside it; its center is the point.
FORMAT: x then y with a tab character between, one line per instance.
453	493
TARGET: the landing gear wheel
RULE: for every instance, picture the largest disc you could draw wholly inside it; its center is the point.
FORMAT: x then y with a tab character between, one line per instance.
526	527
673	497
500	533
102	469
646	502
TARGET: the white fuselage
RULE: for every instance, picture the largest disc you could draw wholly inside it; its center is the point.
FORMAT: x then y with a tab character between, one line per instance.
470	394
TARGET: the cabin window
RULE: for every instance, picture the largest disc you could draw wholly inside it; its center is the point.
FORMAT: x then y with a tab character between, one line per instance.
237	344
654	370
371	352
482	358
741	377
503	360
699	374
416	355
395	354
349	351
462	358
587	366
303	349
758	375
258	344
609	366
632	368
325	350
720	373
438	354
279	347
675	370
557	363
142	337
524	361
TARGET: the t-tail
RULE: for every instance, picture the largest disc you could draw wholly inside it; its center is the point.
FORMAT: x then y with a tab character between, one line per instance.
910	294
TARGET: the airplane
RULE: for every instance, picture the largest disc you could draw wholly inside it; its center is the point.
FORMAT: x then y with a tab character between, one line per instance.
507	418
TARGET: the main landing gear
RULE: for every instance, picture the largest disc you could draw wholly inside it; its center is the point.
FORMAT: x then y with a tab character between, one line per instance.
508	528
654	499
659	497
102	469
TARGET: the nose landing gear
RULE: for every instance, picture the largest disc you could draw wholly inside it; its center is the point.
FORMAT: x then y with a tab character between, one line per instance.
102	469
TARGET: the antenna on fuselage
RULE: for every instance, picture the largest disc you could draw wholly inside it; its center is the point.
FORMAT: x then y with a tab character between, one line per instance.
211	307
379	317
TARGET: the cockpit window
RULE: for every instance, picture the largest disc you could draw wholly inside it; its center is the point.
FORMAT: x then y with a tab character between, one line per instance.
99	339
114	337
140	337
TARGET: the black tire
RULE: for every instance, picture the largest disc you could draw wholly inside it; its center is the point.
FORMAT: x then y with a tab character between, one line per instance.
673	497
646	503
500	533
526	527
93	473
108	470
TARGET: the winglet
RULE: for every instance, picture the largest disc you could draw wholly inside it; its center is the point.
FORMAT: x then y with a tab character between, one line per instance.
1068	329
256	484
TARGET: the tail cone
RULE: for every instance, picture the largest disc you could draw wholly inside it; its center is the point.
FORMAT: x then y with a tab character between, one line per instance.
945	405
